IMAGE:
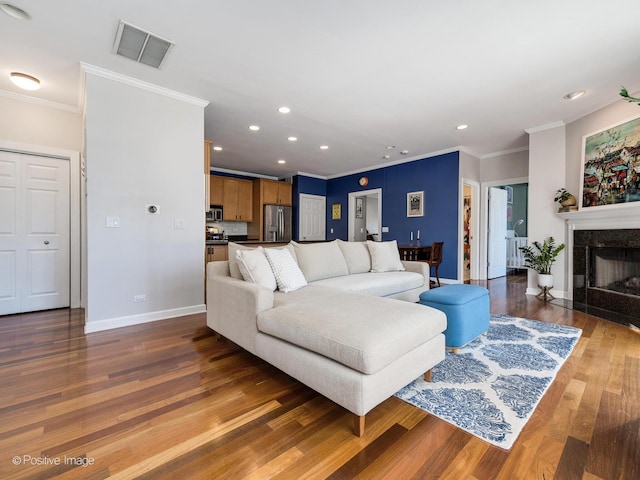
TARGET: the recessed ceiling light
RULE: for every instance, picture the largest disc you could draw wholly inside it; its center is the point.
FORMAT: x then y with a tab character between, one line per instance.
282	161
404	152
284	109
255	128
14	11
217	148
293	139
574	95
386	157
462	126
324	147
390	147
24	81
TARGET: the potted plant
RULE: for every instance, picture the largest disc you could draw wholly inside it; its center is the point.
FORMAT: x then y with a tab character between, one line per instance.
564	198
541	258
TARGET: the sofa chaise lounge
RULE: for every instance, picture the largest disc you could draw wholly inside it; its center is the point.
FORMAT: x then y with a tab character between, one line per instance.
345	332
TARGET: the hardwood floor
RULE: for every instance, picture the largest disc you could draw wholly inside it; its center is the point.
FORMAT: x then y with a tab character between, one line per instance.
166	400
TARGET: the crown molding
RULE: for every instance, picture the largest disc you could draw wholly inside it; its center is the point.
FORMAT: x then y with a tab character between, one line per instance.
150	87
542	128
39	101
422	156
241	173
505	152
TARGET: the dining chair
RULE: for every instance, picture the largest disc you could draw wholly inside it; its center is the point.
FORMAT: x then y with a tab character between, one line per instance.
435	258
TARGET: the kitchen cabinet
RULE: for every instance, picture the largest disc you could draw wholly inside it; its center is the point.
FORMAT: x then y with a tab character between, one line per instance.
237	200
235	195
274	193
215	190
215	253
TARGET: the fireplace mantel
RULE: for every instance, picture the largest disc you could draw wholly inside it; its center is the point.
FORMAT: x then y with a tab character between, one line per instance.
604	218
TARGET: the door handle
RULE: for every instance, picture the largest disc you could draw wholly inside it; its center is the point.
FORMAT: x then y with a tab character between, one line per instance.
46	242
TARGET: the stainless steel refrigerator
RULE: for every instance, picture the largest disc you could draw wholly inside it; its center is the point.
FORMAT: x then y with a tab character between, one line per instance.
277	223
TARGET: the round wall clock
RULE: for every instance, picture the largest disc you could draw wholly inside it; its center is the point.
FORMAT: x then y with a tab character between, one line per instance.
364	181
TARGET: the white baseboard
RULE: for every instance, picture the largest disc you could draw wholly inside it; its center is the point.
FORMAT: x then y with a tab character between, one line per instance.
127	321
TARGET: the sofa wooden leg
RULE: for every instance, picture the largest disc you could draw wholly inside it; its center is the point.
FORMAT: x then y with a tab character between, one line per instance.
358	425
427	376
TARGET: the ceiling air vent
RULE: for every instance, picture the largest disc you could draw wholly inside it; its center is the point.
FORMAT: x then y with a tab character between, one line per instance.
143	47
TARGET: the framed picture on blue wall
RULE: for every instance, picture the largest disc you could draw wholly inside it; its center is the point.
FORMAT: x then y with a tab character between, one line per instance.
415	204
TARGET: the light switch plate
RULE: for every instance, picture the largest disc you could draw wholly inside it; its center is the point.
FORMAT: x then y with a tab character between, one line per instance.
385	229
112	222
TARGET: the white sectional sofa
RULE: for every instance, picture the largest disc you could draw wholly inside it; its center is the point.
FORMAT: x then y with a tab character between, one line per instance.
343	329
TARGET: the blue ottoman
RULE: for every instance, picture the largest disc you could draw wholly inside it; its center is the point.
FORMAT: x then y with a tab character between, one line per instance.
466	308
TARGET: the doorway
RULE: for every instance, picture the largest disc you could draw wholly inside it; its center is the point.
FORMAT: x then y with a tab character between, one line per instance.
365	215
34	233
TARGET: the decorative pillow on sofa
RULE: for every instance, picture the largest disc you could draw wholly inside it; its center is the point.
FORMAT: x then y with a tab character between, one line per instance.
356	255
385	256
255	267
320	260
234	269
288	275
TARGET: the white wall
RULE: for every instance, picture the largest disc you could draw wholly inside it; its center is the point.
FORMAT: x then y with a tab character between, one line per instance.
26	122
505	166
546	176
142	148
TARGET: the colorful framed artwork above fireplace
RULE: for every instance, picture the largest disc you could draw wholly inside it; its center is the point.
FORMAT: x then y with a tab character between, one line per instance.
611	166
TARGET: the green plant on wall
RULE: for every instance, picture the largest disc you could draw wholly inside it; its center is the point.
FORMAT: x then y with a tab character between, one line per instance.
541	257
625	94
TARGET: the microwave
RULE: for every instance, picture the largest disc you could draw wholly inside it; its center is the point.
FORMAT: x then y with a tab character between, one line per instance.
215	213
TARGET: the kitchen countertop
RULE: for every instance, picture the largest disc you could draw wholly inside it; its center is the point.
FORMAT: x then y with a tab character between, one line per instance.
217	242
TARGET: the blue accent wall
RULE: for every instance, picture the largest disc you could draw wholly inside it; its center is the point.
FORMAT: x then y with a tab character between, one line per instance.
437	176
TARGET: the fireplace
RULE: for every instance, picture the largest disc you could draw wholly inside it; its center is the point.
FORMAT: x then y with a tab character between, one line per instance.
606	273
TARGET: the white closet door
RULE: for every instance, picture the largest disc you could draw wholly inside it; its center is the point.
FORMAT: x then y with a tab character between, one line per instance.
34	233
312	217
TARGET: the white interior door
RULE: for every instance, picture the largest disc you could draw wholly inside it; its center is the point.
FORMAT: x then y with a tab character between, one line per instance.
497	241
34	233
313	217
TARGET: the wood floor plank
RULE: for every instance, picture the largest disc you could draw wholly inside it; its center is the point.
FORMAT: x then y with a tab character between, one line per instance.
167	400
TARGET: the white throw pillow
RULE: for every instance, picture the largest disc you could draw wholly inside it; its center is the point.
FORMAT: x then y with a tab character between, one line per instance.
234	269
255	267
357	256
288	275
385	256
320	260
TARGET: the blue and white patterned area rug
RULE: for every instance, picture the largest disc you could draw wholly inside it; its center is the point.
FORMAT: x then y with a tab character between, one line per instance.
492	386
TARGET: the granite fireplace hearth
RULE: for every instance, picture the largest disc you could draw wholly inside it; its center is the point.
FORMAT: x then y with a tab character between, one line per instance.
606	274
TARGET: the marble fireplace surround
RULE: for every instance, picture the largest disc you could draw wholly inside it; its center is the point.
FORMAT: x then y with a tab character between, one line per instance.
604	222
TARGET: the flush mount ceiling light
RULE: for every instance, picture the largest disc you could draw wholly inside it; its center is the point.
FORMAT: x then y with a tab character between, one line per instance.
14	11
324	147
255	128
217	148
284	109
463	126
24	81
282	161
574	95
293	139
